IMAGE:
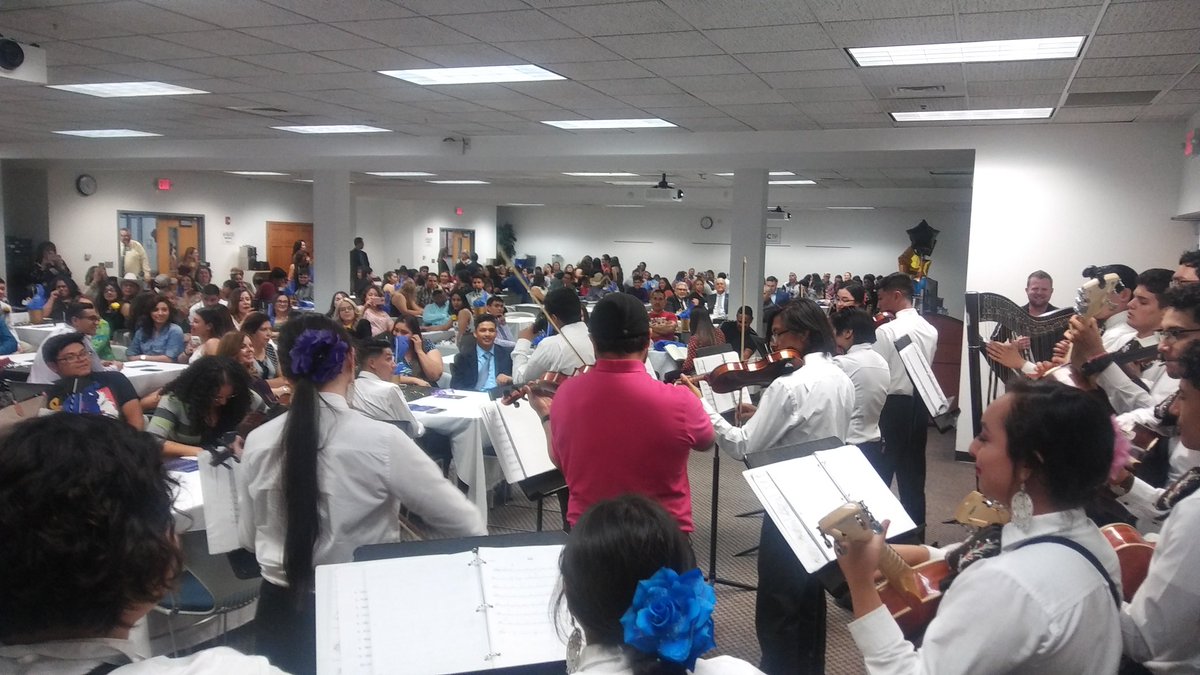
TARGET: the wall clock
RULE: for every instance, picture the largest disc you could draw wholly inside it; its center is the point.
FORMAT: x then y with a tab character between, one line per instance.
706	222
85	184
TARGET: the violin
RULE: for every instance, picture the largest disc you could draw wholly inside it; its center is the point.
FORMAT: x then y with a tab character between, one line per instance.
883	317
729	377
546	385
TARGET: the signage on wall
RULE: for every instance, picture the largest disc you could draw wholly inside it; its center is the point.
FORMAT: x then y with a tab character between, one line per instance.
227	236
228	220
1189	143
429	230
774	236
164	184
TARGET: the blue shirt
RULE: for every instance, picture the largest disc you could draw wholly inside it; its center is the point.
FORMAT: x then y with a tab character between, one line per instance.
436	315
489	358
166	342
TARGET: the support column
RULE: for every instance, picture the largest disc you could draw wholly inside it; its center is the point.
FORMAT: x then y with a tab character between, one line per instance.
333	233
748	239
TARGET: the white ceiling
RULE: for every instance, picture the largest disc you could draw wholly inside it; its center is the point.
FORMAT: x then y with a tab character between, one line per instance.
706	65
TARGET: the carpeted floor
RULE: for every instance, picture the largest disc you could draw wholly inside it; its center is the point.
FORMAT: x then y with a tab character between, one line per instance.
947	483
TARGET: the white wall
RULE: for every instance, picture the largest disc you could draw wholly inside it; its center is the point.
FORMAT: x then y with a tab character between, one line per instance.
82	226
1189	189
408	232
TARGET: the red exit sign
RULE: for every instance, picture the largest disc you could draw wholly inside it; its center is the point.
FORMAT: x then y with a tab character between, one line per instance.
164	184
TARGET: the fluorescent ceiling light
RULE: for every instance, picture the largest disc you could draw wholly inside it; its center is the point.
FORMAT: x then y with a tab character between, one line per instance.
969	52
519	204
304	180
967	115
798	181
850	208
258	173
599	174
118	89
724	174
632	182
643	123
400	174
458	182
107	133
333	129
780	173
625	206
474	75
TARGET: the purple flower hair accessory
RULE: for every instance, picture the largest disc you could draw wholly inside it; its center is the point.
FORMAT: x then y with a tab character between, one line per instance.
319	355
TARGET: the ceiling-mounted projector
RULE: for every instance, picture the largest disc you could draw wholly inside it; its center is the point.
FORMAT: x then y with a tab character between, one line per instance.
664	192
22	61
778	213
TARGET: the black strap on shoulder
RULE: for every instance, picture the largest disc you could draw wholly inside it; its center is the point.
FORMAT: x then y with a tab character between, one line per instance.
1081	550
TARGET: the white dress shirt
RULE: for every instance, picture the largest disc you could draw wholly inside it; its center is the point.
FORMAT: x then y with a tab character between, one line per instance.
1039	609
383	401
1124	394
366	469
1142	498
553	354
720	308
70	657
1117	331
612	660
871	377
924	336
815	401
1160	627
40	372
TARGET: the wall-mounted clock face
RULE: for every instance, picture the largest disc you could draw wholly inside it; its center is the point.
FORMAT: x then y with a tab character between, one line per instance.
706	222
86	185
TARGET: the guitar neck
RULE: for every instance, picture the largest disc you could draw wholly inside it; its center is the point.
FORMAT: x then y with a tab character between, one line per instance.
898	573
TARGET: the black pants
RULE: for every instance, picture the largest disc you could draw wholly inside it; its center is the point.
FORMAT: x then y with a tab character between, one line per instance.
873	451
286	633
904	423
789	612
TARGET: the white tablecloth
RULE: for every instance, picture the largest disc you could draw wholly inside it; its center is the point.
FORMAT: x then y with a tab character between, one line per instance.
462	420
662	363
35	334
148	376
189	502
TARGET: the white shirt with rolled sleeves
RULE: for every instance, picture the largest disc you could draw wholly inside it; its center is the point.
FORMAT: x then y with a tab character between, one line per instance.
366	470
816	401
907	322
1042	608
869	373
1124	393
383	401
553	354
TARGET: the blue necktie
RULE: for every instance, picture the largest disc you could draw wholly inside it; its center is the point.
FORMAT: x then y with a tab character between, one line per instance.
485	373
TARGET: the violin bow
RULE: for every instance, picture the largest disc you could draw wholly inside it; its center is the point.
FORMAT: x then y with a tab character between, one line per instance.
737	417
525	285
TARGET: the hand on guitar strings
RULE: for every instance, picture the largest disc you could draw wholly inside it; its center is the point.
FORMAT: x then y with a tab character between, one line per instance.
859	560
1084	335
1007	354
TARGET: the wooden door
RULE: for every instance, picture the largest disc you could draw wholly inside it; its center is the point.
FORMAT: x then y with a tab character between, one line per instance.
457	241
173	237
281	237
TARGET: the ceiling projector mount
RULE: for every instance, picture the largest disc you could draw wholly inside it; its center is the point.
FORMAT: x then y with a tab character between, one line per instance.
664	192
778	213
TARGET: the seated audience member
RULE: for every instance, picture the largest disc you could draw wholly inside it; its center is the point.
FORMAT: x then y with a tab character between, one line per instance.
8	342
70	593
593	413
404	300
375	313
704	334
512	285
564	352
1158	626
321	450
744	323
477	297
618	548
281	311
373	393
275	285
718	303
237	347
346	315
436	315
210	296
418	362
663	322
678	302
637	288
426	285
854	333
81	318
266	356
333	303
497	310
82	390
773	295
487	365
211	397
61	293
209	325
302	291
108	304
1048	578
463	318
241	305
850	296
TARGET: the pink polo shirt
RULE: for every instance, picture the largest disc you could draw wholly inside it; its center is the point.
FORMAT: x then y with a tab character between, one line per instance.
617	430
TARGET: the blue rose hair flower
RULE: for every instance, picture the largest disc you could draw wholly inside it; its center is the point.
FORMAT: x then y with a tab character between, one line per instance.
671	616
319	355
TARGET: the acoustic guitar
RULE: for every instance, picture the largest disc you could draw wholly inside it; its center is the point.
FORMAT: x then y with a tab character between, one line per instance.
1091	299
1133	552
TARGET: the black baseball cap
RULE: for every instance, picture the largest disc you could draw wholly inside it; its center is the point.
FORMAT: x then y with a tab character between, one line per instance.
619	316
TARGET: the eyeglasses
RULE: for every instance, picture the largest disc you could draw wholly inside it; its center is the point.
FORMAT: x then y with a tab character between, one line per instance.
775	335
74	356
1173	334
1175	283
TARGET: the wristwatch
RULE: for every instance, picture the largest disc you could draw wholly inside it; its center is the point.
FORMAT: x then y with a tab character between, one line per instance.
545	418
142	357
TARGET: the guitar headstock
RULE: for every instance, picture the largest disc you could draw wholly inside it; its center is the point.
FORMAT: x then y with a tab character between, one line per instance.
1097	295
851	521
979	511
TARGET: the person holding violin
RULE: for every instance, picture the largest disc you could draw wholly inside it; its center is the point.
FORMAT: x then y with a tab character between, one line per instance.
854	332
563	352
816	400
589	427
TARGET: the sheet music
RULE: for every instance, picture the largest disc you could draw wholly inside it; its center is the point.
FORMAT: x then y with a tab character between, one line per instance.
520	585
519	439
798	493
925	384
722	403
218	485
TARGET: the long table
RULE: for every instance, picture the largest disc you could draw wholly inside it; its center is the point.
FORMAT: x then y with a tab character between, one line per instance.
145	376
462	420
35	334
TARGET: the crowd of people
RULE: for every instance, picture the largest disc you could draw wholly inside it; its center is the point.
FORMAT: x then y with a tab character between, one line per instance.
312	403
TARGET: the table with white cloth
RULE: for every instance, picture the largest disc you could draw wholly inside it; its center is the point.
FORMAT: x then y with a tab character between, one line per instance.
518	322
662	363
188	507
461	419
145	376
35	334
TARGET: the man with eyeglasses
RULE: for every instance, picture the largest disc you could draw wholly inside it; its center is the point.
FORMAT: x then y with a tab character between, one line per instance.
1186	273
84	391
82	317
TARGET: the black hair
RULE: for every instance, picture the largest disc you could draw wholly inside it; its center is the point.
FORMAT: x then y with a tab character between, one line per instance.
1190	259
278	273
108	283
856	320
333	304
614	545
298	455
72	287
369	349
702	326
1156	280
39	253
254	321
773	278
1185	298
76	309
564	304
413	324
210	289
1124	272
804	316
495	299
87	534
897	281
747	311
485	318
217	319
1063	435
56	344
145	321
1189	360
857	292
197	387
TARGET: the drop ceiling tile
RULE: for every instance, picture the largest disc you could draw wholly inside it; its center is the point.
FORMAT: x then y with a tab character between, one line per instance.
317	81
622	19
620	113
827	108
137	17
701	124
661	100
1144	44
1147	17
222	86
1098	114
796	122
1181	96
311	37
232	13
608	70
670	113
147	70
382	58
1175	111
708	83
764	110
1018	70
144	47
547	113
883	32
225	42
814	59
857	10
474	54
297	62
802	36
735	97
75	54
220	66
662	45
976	6
814	94
56	25
548	4
645	85
1099	84
343	10
440	7
813	79
509	26
857	122
558	51
1190	82
1029	24
921	104
896	76
414	32
1016	87
1138	65
704	14
78	75
451	106
717	64
394	90
1004	102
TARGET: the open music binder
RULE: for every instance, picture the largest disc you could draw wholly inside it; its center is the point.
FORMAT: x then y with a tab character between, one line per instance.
519	439
722	403
481	609
798	493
